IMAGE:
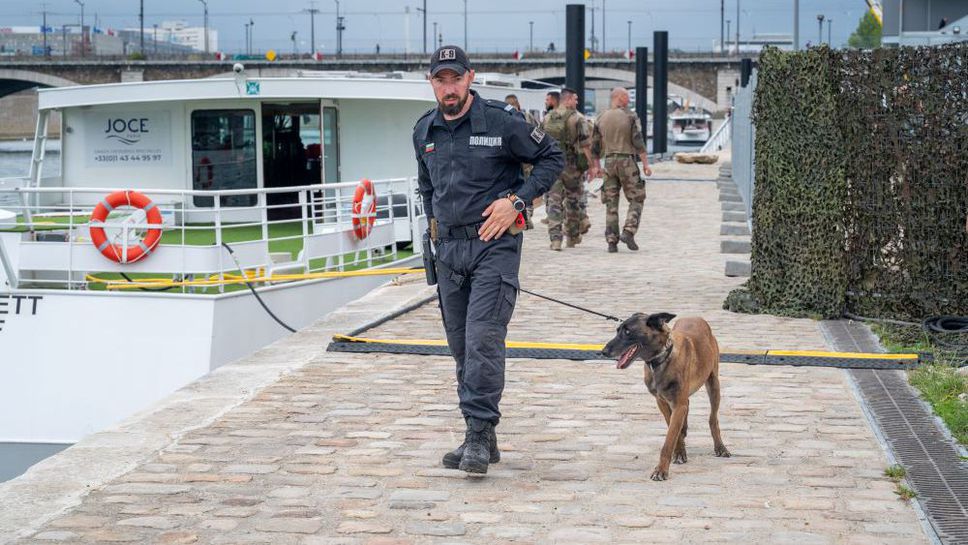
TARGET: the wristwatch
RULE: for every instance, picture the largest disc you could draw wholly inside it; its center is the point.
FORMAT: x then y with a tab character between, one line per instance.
518	203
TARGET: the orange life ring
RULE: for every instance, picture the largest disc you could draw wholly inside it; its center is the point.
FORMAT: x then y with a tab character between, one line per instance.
364	209
115	252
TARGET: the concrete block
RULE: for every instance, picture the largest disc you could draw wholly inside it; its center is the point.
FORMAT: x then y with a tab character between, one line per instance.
731	215
735	246
729	197
737	268
733	206
734	230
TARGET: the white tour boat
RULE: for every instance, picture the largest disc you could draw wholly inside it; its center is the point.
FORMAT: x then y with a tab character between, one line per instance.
115	286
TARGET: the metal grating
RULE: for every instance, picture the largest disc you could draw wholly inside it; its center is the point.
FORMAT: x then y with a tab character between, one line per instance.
935	468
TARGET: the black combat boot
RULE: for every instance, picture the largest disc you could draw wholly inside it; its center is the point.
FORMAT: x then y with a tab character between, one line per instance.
478	446
629	240
612	247
452	459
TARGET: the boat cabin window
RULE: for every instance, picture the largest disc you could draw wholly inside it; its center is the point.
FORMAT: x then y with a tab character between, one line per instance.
224	155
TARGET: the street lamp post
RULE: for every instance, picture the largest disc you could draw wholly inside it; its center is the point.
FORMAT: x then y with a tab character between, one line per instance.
737	27
830	23
465	25
83	35
339	33
820	26
423	10
530	36
154	38
725	48
312	11
205	24
629	45
796	25
141	18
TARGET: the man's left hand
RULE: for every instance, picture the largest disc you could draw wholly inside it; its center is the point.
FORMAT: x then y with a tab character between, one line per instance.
500	216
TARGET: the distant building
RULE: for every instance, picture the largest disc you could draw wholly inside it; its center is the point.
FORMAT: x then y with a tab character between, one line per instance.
64	40
756	43
180	34
918	22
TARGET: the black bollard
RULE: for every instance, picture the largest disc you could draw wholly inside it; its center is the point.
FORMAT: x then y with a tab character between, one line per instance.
575	51
660	92
642	88
745	70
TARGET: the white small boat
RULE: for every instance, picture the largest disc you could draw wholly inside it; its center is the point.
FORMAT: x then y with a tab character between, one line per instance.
270	166
689	126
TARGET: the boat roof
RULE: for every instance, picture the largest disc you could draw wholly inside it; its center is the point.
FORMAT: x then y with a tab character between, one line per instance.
304	85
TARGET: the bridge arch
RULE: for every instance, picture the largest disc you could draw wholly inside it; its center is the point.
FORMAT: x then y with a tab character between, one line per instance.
622	76
13	80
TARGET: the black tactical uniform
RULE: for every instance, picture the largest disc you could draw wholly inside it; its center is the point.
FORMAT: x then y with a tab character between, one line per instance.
465	165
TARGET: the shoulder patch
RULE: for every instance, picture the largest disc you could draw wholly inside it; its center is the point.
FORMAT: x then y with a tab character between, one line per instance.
537	135
509	108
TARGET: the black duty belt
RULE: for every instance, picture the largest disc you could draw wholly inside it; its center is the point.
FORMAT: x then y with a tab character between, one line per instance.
463	232
619	155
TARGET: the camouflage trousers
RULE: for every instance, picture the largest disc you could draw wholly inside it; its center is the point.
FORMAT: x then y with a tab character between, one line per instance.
622	173
564	204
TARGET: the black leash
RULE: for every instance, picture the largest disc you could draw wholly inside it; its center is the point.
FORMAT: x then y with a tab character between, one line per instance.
583	309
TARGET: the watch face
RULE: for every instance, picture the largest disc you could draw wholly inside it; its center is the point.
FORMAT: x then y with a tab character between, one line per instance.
519	205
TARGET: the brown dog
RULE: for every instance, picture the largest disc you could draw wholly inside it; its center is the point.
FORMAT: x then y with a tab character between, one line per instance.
678	361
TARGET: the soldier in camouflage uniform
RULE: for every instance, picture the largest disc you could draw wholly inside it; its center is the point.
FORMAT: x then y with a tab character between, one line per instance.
618	134
568	127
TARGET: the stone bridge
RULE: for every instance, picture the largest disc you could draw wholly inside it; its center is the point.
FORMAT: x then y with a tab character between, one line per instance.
701	76
705	81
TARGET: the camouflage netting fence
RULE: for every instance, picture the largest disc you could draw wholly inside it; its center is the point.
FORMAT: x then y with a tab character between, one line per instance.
861	199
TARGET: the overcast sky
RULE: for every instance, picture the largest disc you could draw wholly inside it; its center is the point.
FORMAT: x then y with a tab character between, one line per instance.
493	25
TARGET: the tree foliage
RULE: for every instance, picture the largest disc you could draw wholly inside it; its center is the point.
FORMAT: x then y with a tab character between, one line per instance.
868	33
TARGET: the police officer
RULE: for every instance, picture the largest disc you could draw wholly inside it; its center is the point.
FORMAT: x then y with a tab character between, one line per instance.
618	134
567	125
469	154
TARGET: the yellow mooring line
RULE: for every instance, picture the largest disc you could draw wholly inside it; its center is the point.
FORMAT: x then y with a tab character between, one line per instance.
598	347
249	276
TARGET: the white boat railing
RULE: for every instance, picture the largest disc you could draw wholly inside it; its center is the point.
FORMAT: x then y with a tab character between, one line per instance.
46	233
720	139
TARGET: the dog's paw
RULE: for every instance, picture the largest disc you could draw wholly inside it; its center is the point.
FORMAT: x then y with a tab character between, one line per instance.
660	474
680	457
722	452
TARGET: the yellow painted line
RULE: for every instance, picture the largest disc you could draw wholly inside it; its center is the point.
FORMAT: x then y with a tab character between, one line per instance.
509	344
848	355
598	347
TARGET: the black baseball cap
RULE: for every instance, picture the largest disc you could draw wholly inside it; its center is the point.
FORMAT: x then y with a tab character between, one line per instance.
449	57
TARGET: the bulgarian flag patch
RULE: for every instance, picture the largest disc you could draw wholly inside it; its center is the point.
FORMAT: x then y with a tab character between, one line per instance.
428	147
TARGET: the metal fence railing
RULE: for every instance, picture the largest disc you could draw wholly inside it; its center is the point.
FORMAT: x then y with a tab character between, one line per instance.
743	135
720	139
284	230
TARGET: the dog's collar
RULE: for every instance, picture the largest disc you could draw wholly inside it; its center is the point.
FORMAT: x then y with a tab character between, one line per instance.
655	361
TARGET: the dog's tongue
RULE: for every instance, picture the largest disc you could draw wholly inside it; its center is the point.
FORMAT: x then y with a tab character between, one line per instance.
626	358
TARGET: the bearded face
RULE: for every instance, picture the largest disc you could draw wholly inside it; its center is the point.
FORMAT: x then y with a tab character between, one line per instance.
452	90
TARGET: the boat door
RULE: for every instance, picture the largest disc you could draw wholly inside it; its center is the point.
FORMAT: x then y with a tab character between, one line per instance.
291	156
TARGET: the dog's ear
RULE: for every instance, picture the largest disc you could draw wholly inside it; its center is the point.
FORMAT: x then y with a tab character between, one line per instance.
659	319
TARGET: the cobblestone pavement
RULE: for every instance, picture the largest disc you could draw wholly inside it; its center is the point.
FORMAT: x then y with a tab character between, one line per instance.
346	449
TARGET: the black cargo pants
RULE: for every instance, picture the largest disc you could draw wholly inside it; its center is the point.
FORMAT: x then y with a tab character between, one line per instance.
477	283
